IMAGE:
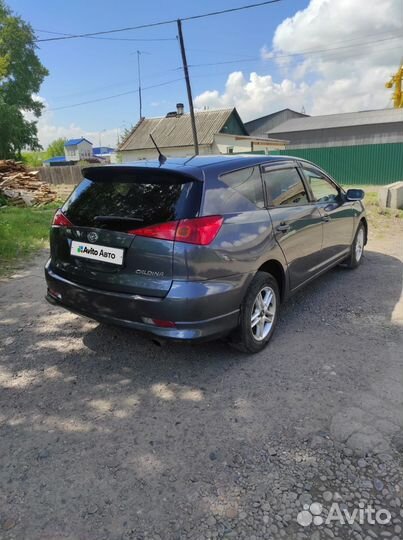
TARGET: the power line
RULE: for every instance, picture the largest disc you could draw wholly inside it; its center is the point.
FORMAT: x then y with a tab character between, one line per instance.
160	23
103	38
93	90
113	96
97	89
229	10
307	52
275	56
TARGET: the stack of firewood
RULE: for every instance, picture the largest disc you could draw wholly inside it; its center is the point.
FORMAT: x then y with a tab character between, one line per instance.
21	187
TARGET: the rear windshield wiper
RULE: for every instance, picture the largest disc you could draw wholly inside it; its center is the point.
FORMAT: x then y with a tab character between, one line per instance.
115	219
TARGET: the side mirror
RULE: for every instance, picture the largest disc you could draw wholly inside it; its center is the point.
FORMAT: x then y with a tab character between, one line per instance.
355	194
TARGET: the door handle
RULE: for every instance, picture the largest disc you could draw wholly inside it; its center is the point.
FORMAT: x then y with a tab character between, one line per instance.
326	218
283	227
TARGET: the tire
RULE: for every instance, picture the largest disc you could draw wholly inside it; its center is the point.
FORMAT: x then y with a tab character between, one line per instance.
255	328
357	248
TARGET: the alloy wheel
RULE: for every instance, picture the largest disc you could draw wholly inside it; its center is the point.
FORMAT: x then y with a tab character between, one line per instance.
263	313
359	244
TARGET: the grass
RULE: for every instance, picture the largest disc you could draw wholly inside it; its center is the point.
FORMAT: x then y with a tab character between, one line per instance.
371	202
23	231
381	220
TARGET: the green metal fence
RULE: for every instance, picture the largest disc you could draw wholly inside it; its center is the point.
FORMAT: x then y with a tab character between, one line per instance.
367	164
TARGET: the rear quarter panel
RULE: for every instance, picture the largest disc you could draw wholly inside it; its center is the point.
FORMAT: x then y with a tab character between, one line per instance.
244	243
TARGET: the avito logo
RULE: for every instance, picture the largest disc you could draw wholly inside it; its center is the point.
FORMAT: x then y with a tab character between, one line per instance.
103	253
317	514
90	251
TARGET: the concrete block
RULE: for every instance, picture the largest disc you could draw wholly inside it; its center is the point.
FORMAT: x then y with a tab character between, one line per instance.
391	196
396	197
383	196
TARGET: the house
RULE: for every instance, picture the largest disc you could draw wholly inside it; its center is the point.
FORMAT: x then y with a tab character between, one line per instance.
100	151
218	132
77	149
364	147
261	126
382	126
104	153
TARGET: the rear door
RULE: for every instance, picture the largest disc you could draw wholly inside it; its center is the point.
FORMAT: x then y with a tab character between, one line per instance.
337	214
104	247
297	223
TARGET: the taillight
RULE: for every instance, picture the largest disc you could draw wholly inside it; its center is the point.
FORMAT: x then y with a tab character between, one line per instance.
200	231
60	220
163	231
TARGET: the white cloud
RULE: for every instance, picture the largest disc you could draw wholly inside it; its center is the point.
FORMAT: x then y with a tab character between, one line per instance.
254	96
49	130
325	22
343	79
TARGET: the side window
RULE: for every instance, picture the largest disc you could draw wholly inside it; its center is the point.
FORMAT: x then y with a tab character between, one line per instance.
238	191
284	187
322	189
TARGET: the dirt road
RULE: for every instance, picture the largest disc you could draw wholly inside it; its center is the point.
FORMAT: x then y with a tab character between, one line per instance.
103	434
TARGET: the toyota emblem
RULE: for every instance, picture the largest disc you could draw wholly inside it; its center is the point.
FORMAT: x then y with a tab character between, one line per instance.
92	236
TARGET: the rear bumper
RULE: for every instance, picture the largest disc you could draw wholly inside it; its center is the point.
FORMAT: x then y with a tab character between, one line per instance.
201	310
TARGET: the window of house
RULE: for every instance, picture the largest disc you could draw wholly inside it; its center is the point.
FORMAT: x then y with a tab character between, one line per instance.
284	187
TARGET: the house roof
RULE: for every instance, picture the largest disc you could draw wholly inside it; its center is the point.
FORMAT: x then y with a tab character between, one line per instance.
273	114
362	118
177	130
56	159
74	142
102	150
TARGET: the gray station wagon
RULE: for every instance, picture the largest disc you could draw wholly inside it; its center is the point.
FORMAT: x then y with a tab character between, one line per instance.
203	247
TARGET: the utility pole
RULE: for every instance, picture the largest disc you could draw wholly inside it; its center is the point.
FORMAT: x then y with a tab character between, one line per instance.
139	77
188	87
100	137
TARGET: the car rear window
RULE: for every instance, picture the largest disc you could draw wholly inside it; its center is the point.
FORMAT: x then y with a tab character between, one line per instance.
143	201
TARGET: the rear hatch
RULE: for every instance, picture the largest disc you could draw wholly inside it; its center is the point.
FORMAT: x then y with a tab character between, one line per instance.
107	234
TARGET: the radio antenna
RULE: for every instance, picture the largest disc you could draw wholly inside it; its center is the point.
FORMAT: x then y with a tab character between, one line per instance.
161	158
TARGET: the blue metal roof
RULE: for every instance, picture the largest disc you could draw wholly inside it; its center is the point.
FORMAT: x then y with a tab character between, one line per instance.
102	150
56	159
74	142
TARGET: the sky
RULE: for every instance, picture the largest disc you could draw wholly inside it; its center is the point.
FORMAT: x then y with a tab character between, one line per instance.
321	56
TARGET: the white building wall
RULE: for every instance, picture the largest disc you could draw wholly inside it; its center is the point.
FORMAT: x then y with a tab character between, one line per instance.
71	153
83	150
221	145
176	151
227	144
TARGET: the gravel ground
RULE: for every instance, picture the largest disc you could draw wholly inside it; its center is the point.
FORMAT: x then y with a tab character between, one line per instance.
104	435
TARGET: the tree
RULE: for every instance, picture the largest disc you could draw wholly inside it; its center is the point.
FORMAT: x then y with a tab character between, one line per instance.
21	75
56	148
126	132
33	160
